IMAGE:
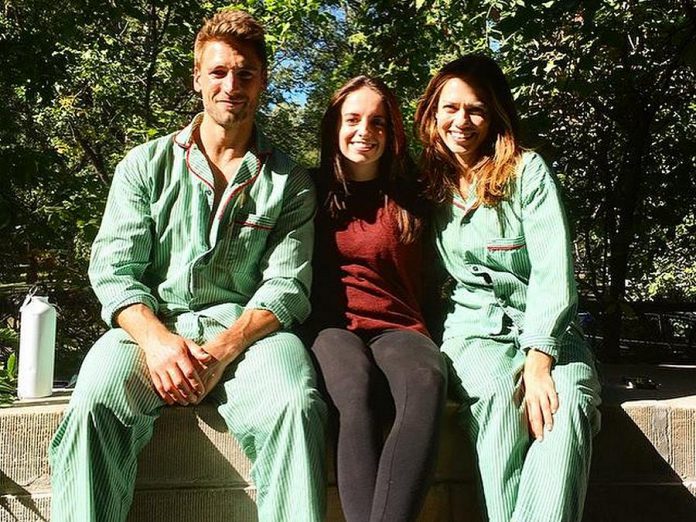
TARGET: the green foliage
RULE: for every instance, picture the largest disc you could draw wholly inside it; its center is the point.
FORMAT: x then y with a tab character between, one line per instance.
8	380
674	276
604	88
606	91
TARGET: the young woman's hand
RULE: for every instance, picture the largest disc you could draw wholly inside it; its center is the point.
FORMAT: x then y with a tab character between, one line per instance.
540	397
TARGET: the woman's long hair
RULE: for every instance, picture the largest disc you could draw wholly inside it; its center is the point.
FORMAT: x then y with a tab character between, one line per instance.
396	169
500	153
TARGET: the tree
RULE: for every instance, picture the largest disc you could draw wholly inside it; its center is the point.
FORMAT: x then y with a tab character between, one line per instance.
607	88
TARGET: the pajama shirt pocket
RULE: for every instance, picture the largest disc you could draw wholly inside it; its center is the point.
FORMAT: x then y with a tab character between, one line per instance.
508	254
247	241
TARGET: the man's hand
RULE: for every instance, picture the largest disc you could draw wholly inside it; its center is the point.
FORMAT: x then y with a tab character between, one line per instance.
175	373
215	355
541	399
220	351
174	363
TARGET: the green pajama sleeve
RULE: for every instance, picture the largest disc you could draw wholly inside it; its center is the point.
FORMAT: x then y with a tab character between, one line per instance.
287	264
551	294
121	250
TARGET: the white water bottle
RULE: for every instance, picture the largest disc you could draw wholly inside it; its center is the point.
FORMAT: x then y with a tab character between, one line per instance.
37	343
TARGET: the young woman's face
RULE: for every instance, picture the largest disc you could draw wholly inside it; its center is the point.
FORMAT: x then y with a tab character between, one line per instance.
463	120
362	134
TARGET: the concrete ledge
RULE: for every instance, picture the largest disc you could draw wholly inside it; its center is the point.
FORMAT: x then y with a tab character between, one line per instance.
644	465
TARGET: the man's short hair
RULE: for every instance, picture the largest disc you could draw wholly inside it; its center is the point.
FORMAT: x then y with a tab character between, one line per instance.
230	26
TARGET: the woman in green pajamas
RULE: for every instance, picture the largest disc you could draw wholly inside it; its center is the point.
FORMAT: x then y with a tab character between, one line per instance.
524	374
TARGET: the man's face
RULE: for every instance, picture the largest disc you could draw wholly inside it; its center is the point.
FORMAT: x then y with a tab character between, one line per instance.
230	78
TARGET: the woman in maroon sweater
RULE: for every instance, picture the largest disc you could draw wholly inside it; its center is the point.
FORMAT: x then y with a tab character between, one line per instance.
372	345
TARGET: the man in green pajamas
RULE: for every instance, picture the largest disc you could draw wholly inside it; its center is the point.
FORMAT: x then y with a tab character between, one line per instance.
202	264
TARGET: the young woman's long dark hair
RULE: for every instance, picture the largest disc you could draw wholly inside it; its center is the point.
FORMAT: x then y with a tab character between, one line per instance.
396	169
502	151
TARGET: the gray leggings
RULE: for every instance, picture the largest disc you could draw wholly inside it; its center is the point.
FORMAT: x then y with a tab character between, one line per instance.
383	481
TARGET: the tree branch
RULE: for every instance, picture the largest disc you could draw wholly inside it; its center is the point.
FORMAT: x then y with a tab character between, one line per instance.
155	37
94	158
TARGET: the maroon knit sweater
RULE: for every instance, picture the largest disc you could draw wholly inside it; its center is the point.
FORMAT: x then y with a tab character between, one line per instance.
365	279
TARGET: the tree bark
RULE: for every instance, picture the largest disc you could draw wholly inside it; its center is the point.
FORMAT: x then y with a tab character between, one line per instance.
626	198
94	158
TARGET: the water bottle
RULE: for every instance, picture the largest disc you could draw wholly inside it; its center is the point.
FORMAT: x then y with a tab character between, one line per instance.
37	343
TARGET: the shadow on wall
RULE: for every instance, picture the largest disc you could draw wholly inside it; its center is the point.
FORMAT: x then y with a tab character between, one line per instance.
646	449
632	481
20	497
184	473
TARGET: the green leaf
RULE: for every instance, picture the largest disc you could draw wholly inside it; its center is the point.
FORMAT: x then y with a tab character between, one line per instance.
12	365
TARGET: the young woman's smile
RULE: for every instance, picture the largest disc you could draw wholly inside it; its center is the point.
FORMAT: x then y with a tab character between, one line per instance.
462	120
362	134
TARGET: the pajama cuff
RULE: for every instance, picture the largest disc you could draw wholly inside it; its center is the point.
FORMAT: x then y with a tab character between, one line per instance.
110	311
281	313
542	343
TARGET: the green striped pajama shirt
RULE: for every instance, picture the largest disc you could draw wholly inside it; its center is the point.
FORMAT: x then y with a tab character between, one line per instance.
161	243
515	290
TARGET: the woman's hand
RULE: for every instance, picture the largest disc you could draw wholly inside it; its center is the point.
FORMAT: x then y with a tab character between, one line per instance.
540	397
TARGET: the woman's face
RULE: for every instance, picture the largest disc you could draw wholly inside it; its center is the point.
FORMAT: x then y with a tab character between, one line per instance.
462	120
362	134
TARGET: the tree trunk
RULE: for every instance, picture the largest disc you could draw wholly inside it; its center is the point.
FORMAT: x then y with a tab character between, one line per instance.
626	198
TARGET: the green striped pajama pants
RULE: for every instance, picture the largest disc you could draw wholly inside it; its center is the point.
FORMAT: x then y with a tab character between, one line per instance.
522	479
268	399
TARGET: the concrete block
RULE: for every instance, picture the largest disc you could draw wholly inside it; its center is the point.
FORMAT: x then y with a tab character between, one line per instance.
26	432
191	447
210	504
436	508
624	452
456	462
25	507
644	465
683	448
648	436
639	503
465	503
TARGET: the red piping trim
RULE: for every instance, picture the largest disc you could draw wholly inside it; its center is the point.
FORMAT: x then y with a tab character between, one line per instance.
188	165
242	187
253	225
467	210
184	145
494	248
